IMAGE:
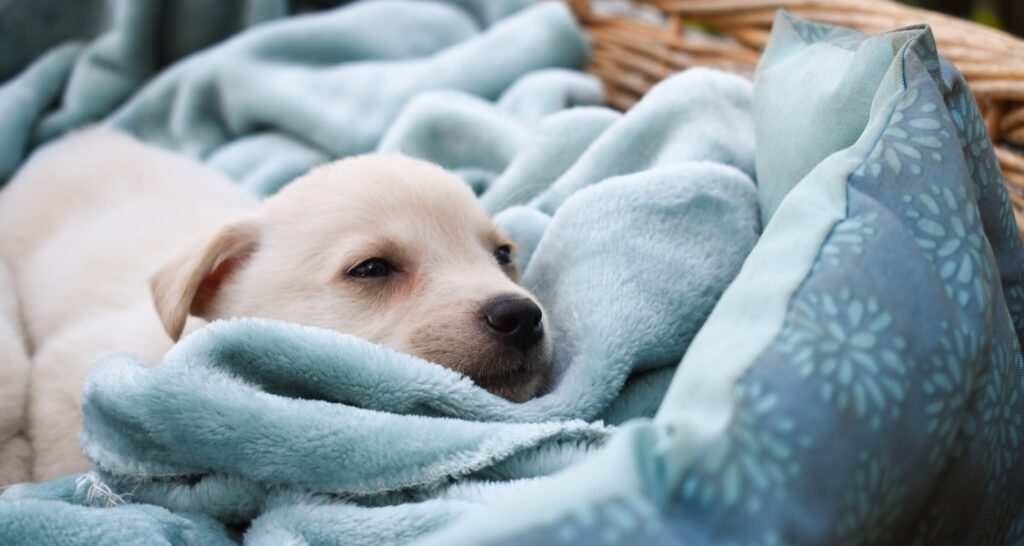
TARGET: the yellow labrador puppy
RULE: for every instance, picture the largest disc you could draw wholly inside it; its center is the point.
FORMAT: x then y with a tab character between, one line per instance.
114	245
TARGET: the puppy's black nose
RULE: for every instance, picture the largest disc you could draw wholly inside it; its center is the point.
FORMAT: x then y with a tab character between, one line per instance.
515	320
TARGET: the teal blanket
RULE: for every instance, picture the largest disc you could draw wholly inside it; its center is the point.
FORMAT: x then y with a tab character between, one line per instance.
631	227
851	374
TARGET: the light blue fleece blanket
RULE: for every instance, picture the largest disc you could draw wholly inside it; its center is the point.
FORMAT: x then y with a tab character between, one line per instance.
860	381
631	227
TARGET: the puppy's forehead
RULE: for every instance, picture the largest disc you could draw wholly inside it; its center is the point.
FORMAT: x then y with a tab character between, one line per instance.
380	190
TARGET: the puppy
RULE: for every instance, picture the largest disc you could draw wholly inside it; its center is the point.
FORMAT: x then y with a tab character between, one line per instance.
115	245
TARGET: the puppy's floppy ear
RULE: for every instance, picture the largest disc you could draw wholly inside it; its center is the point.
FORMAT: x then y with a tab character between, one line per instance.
190	283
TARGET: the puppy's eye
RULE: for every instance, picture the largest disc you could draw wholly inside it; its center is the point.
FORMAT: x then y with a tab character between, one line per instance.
504	255
372	268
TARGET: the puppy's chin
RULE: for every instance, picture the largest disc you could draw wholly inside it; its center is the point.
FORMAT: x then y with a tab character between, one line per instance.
502	370
518	386
511	374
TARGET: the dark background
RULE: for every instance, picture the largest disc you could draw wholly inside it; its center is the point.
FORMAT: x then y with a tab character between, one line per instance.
1005	14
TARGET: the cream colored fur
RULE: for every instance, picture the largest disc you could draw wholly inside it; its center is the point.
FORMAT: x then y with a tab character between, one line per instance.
83	226
114	244
14	369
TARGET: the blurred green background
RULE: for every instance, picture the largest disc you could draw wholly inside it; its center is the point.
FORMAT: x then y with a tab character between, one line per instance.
1005	14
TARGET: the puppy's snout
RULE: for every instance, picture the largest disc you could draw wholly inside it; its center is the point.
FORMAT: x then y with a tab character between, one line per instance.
517	321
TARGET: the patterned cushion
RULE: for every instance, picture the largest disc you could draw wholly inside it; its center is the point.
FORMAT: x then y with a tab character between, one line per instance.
889	406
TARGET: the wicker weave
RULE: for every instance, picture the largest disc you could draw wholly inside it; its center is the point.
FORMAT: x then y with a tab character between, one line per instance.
633	52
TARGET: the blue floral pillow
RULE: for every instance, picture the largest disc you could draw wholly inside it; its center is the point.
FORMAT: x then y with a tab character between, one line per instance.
861	381
888	404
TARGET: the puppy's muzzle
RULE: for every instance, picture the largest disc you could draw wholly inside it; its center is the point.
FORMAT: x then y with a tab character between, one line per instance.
515	321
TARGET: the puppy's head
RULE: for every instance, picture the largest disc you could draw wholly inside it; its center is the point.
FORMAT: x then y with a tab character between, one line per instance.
388	248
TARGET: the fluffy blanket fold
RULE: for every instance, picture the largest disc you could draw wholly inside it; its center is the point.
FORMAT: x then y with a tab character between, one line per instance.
630	231
854	377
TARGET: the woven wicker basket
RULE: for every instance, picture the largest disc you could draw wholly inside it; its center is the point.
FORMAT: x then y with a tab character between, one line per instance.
634	51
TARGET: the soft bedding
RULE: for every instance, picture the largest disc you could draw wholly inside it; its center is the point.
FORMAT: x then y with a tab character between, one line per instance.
861	381
858	382
286	431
